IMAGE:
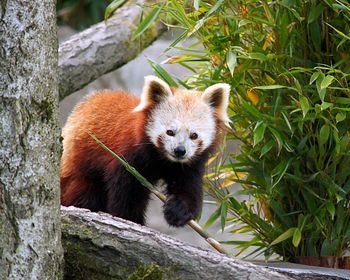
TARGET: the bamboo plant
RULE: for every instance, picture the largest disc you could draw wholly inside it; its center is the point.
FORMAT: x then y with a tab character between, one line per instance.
287	62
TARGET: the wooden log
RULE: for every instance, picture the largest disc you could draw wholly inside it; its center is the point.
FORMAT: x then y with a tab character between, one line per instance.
103	48
99	245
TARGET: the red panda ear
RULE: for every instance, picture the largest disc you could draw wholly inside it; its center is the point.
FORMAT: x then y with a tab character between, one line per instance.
218	97
154	91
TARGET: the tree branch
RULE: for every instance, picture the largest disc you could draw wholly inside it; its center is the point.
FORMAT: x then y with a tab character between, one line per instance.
99	244
102	48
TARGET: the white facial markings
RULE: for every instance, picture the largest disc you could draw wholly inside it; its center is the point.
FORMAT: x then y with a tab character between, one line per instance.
184	114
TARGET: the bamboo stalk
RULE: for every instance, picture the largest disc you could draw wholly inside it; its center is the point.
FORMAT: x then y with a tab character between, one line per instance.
194	225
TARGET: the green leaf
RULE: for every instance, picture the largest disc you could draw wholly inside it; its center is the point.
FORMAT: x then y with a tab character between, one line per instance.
314	77
269	87
257	56
213	218
215	7
340	116
321	90
331	209
310	200
162	73
316	35
326	105
339	32
200	23
223	215
304	103
296	237
278	138
267	147
342	100
284	219
114	5
287	122
322	93
243	229
327	248
326	81
280	170
315	12
252	110
324	134
284	236
147	22
259	132
231	60
336	141
235	204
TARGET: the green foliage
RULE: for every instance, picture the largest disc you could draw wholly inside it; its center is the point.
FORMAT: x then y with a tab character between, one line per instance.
80	14
287	62
114	5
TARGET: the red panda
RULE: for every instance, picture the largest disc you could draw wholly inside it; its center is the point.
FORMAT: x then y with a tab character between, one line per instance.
167	134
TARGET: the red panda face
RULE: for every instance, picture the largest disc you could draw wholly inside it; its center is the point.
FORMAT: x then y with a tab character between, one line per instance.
182	124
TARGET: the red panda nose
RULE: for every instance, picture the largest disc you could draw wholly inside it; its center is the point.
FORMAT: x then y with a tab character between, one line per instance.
180	151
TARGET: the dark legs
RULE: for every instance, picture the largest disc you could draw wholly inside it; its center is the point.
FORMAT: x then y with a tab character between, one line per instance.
127	198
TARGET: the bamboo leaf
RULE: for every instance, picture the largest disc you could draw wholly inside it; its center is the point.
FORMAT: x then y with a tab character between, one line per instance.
201	22
278	138
223	215
296	237
331	209
327	248
213	218
215	7
252	110
270	87
114	5
339	32
267	147
304	103
284	236
315	12
259	132
326	105
326	81
322	93
287	122
314	77
281	169
243	229
231	60
162	73
257	56
147	22
324	134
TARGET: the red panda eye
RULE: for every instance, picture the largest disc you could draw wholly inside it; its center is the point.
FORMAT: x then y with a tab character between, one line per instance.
194	136
170	132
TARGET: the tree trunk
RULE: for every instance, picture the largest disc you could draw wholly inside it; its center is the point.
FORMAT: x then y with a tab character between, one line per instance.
103	48
30	246
99	246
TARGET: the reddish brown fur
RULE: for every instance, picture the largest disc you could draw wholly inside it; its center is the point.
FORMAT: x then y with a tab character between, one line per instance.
109	120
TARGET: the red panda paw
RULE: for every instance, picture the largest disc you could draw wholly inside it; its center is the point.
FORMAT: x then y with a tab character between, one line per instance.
177	212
